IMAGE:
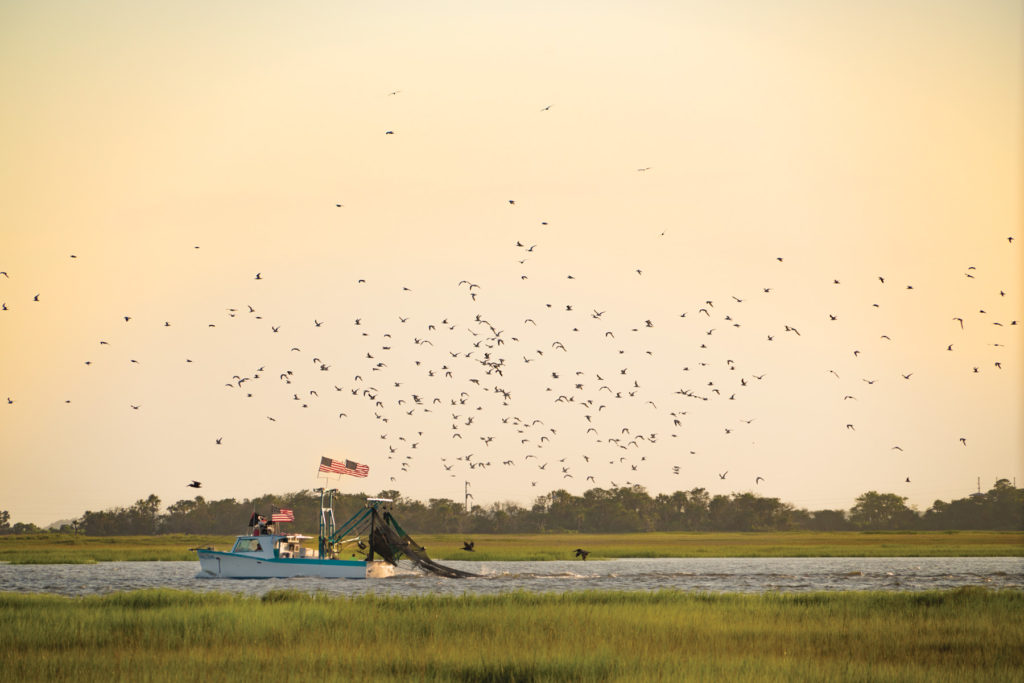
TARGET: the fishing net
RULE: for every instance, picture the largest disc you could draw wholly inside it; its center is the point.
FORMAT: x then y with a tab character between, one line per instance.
391	542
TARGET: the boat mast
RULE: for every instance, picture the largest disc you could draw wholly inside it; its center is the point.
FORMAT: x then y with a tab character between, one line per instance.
326	519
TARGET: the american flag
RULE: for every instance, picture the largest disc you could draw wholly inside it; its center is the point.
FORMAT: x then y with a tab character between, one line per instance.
349	467
282	515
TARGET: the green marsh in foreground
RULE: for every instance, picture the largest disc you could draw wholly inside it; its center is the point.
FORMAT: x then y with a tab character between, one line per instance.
65	549
160	635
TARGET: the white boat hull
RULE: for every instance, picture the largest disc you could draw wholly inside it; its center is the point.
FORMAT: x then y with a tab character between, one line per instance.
216	564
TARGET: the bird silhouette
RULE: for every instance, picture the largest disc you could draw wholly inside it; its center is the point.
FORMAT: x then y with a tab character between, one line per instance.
195	484
581	553
468	545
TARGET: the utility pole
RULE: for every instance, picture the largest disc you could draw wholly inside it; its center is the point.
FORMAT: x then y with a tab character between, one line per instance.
468	496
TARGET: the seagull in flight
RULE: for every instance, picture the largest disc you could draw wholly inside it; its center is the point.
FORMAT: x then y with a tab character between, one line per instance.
195	484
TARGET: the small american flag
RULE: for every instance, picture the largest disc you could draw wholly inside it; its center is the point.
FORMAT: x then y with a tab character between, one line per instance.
282	515
350	467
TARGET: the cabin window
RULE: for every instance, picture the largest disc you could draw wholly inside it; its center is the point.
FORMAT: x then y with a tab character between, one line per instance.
247	545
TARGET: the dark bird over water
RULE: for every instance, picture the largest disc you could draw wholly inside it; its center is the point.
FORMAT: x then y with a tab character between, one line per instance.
468	545
581	553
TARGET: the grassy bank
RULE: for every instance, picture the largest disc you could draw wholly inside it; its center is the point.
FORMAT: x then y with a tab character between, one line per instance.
58	548
734	544
962	635
69	549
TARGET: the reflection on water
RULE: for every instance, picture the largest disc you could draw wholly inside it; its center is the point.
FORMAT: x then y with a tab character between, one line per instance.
737	575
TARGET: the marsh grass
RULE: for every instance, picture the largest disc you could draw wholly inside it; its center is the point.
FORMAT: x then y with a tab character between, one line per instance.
158	635
64	549
540	547
68	549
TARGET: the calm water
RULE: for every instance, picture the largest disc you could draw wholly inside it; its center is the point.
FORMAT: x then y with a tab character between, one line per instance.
740	575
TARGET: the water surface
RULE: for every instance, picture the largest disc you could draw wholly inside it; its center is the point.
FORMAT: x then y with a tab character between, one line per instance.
734	575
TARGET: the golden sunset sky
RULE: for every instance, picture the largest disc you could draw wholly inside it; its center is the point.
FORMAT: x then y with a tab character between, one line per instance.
586	243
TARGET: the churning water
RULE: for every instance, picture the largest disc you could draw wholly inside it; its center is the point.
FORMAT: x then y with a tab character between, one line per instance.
737	575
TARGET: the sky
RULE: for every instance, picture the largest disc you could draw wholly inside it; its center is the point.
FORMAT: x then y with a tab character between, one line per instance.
509	248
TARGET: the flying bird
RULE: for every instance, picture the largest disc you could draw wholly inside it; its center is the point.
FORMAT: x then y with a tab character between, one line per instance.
195	484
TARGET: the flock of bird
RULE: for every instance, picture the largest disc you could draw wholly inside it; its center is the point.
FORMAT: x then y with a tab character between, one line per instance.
557	392
574	392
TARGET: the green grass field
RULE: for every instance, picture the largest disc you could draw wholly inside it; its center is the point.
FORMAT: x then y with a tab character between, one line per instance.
58	548
962	635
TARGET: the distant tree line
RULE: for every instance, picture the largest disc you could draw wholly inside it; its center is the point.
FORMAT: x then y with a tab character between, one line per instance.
627	509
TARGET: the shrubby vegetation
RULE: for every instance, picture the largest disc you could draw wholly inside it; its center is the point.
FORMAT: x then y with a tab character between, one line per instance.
619	510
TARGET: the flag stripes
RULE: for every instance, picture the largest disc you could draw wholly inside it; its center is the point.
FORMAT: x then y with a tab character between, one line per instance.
349	467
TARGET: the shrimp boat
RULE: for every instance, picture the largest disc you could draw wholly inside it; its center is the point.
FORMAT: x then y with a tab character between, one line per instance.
263	554
348	551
